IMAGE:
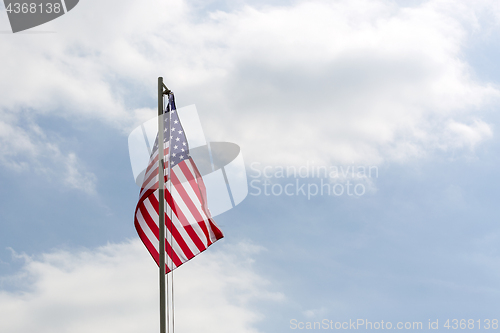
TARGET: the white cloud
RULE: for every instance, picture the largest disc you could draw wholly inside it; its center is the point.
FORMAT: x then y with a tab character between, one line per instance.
316	313
14	141
74	178
468	135
114	288
28	149
351	83
334	82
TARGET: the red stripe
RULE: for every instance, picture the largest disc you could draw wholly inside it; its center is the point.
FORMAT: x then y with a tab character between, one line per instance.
150	178
152	250
203	191
198	187
169	250
189	203
171	254
178	238
175	233
146	195
187	226
149	220
217	232
147	243
195	204
153	163
190	177
200	183
185	197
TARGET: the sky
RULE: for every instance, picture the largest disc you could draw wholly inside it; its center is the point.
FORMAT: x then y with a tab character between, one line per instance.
369	131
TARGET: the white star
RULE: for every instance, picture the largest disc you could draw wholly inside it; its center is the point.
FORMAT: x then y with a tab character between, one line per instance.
176	121
180	132
184	143
175	147
177	139
181	157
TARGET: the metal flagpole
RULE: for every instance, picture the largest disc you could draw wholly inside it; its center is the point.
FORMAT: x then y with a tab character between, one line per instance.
170	279
161	205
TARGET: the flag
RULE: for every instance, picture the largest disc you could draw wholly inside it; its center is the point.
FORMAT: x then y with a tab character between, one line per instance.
191	229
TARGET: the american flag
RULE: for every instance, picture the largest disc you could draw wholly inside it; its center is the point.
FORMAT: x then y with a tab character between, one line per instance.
191	229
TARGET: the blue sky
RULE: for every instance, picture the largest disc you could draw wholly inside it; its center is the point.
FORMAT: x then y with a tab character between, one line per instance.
408	87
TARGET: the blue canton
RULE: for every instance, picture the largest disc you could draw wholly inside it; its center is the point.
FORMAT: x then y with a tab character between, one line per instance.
179	147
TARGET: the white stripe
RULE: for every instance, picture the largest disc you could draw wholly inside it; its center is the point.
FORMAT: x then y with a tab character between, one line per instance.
174	247
152	158
195	201
152	185
185	236
189	216
169	262
151	210
152	238
210	231
152	213
152	163
181	206
152	168
189	190
145	228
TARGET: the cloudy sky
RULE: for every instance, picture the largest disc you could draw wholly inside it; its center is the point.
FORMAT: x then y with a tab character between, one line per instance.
397	100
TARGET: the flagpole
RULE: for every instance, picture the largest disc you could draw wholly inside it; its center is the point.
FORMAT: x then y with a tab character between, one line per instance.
161	206
170	279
